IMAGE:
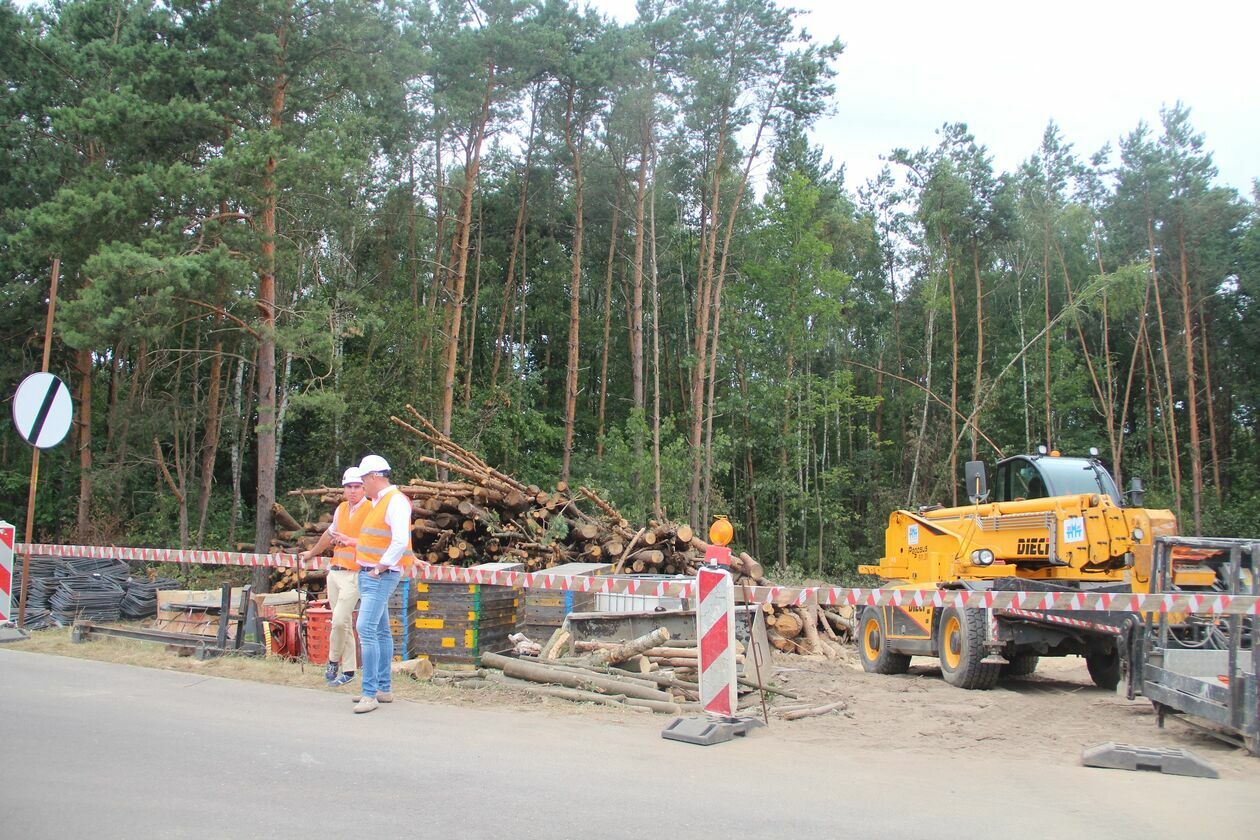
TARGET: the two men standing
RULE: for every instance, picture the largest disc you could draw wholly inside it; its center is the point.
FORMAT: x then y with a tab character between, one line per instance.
371	534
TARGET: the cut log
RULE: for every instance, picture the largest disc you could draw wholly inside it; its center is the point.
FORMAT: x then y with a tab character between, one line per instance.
283	517
839	705
631	648
546	674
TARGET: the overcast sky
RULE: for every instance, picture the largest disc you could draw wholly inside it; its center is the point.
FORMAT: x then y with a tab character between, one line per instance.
1007	68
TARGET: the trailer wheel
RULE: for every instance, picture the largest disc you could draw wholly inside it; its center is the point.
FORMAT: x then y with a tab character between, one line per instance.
1019	665
877	658
960	643
1104	668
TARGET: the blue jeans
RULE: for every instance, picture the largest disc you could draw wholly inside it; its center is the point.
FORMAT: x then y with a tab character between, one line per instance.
373	627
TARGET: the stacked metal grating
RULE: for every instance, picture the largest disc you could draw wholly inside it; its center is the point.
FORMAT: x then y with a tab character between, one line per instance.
90	597
546	609
88	589
401	604
457	622
39	590
140	598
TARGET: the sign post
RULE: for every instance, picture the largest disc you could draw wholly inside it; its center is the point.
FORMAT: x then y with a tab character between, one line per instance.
34	425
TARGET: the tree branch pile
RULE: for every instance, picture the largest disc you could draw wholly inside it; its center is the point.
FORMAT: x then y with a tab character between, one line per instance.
481	515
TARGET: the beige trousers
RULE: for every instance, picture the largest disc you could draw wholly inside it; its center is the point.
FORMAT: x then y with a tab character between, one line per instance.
343	597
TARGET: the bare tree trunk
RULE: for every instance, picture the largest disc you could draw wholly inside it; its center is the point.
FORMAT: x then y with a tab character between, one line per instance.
1117	469
1045	277
1209	398
210	444
1192	389
953	373
83	438
463	231
470	347
265	495
518	233
657	510
1175	450
608	287
575	290
975	393
704	286
927	395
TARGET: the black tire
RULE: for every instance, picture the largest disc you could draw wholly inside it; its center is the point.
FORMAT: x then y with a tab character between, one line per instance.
960	645
877	658
1019	665
1104	669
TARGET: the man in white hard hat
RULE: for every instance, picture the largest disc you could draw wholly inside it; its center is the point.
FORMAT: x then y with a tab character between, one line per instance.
384	556
343	577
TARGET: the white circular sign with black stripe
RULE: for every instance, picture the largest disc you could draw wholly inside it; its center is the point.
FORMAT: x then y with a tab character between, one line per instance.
42	410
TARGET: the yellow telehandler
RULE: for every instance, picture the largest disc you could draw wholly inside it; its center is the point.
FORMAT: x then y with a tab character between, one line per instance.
1053	523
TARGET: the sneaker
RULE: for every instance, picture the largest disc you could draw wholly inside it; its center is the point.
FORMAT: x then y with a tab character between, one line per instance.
365	705
382	697
330	673
341	679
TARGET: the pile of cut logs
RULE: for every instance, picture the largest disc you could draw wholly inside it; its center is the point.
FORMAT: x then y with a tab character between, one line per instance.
794	629
485	516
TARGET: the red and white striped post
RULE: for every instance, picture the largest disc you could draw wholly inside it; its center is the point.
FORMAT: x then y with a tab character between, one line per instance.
8	534
715	625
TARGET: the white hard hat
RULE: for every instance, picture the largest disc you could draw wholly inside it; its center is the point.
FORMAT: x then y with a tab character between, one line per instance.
352	475
373	463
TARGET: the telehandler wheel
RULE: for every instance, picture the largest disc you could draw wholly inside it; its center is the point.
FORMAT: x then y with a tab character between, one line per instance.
960	642
1104	668
1019	665
872	643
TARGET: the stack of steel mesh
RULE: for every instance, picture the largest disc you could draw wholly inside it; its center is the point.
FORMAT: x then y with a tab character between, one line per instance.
42	584
88	597
116	570
140	600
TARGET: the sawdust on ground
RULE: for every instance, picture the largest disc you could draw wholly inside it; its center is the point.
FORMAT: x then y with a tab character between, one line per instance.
1049	717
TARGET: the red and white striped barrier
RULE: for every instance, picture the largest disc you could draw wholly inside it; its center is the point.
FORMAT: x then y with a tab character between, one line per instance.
1186	602
8	535
715	628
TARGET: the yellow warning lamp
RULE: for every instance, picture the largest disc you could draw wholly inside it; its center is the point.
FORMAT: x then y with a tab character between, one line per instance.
720	532
1054	453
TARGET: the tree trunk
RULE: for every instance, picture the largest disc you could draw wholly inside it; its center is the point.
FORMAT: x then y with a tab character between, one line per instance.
575	289
518	232
265	431
462	231
1192	389
1209	398
1045	279
210	444
470	347
657	510
608	287
1174	449
83	438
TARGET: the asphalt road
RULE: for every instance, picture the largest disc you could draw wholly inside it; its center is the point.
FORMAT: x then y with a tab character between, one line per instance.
100	750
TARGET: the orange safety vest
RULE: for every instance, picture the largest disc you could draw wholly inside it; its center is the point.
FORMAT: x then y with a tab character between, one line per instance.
374	536
349	524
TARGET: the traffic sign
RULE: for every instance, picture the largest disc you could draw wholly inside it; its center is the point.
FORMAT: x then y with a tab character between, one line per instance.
42	410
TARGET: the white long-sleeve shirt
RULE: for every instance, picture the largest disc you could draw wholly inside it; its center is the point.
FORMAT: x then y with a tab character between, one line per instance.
398	518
